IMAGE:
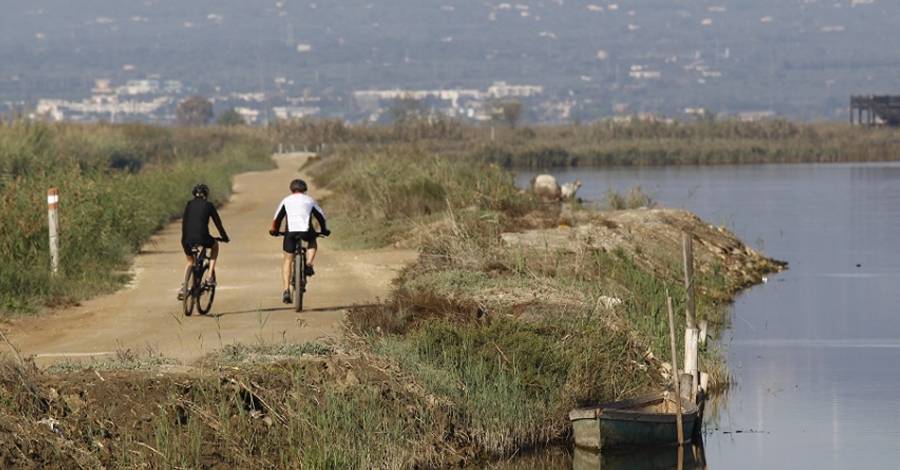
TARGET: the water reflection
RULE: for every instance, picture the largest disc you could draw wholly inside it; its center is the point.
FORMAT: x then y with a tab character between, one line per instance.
690	457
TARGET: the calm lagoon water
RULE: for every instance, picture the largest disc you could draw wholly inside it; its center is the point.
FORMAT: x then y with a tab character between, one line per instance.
815	352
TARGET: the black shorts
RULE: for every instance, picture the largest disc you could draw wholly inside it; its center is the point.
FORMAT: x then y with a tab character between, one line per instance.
292	238
207	242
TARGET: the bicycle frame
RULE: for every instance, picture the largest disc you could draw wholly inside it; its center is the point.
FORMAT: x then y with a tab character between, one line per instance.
197	285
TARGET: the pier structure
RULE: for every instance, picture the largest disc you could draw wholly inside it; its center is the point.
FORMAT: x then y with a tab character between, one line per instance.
871	110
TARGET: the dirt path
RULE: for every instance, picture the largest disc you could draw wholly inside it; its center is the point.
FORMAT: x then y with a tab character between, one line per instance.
248	309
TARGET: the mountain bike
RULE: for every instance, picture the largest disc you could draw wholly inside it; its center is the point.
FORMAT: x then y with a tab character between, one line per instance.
298	273
199	292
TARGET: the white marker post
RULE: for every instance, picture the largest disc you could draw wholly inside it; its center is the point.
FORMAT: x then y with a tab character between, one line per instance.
691	333
53	218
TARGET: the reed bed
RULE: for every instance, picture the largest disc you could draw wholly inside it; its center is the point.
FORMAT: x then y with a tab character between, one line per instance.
612	143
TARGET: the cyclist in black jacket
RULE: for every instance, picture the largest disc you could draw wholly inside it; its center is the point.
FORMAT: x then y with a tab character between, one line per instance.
195	230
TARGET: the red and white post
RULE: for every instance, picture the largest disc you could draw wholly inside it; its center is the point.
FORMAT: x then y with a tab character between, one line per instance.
53	218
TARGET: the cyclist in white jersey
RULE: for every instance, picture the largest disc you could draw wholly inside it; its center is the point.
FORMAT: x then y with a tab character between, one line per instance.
299	210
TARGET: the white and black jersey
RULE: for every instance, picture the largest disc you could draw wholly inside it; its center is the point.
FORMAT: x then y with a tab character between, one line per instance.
299	209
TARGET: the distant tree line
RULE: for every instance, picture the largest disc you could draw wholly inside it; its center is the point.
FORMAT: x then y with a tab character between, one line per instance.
197	111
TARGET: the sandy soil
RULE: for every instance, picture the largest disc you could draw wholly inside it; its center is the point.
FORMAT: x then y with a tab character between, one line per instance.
146	315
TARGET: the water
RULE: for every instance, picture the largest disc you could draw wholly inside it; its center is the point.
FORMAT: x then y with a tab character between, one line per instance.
814	351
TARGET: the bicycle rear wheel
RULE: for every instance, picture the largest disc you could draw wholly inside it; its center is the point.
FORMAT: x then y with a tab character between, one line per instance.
299	280
187	302
206	293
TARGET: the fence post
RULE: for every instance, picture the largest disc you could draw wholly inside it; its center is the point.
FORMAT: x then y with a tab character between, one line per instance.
53	219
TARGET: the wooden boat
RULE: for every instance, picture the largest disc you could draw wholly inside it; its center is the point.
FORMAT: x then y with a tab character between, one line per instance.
642	422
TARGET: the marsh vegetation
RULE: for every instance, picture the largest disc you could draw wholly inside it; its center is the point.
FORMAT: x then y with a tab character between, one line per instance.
118	185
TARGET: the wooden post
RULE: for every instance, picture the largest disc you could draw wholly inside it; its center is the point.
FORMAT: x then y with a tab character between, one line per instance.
686	382
53	219
678	420
687	243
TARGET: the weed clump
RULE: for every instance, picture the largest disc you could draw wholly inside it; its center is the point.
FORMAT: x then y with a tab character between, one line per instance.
635	199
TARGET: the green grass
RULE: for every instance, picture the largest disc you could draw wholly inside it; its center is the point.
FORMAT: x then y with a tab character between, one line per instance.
118	185
512	383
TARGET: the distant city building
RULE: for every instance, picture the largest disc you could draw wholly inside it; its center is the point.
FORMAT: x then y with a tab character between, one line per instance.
98	107
373	97
639	72
295	112
465	103
504	90
751	116
251	116
140	87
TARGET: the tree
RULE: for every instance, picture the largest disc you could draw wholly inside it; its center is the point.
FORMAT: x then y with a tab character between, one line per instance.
194	111
406	109
511	111
231	118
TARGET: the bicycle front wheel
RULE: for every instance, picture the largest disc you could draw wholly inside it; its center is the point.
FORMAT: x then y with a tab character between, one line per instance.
188	300
206	293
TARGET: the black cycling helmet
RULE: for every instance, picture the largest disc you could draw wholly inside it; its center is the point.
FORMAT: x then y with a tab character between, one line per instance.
298	186
201	190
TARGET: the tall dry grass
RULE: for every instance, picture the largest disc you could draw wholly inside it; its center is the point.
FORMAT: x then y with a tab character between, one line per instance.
384	193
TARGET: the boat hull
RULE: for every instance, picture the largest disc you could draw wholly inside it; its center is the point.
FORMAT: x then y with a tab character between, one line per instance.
643	422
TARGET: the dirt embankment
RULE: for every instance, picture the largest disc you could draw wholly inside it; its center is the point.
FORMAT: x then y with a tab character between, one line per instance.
653	238
488	339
